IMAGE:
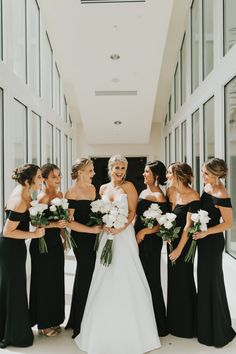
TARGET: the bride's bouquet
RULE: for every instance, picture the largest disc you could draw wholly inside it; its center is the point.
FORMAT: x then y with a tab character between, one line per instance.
151	216
200	221
59	209
39	219
116	217
168	229
99	208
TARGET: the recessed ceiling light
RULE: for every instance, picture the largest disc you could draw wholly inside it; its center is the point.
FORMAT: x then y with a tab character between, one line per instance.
115	80
117	122
115	56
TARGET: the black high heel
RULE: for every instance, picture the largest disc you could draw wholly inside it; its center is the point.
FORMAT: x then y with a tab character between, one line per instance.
3	344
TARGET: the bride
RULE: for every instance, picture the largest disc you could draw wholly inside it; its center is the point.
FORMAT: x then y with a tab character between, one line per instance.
119	317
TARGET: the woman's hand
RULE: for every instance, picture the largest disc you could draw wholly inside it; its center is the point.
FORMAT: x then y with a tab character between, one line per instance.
113	231
96	229
199	235
140	236
174	255
61	224
38	233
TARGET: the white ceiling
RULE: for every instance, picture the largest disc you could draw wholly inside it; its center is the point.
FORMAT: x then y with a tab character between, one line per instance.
85	36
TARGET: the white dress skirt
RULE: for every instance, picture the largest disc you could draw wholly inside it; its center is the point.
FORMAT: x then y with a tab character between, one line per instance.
119	316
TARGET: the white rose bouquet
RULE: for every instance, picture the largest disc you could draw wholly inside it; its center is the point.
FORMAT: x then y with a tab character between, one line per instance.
168	229
116	218
151	215
99	208
200	221
38	219
59	209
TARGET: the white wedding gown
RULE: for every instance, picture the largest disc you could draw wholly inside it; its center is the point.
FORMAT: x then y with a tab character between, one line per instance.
119	317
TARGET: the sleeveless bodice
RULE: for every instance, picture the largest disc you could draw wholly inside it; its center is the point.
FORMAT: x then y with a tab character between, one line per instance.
209	203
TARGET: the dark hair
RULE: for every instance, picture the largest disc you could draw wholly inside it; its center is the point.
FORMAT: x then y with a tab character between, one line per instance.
217	167
158	170
182	172
79	164
25	173
47	168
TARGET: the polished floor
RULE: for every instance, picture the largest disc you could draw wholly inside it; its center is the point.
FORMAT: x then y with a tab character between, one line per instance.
63	344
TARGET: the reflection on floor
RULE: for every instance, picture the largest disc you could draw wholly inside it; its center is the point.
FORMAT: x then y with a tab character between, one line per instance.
63	344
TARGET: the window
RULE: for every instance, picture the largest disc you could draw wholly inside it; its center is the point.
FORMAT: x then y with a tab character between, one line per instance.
47	72
230	139
70	121
57	91
33	46
66	165
170	108
70	158
209	124
58	148
177	144
169	149
1	32
49	143
19	121
183	62
19	38
196	149
184	141
176	82
36	138
195	43
229	24
208	37
166	150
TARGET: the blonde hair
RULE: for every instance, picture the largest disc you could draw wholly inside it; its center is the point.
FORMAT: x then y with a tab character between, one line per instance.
217	167
113	159
79	164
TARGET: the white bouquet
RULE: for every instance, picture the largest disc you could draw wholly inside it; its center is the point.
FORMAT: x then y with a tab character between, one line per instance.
168	229
59	209
38	219
116	218
99	208
151	215
200	221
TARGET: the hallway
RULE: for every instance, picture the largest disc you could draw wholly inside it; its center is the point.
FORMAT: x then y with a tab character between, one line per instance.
64	344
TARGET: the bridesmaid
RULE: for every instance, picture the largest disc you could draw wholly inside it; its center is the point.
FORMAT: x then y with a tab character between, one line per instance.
15	328
214	322
181	294
47	269
80	196
150	245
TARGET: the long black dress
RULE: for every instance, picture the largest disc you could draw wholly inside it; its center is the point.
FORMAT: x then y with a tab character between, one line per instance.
181	294
150	256
214	322
47	289
15	328
85	257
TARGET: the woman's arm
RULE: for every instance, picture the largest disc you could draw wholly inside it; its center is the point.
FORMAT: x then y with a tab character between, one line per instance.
10	230
146	231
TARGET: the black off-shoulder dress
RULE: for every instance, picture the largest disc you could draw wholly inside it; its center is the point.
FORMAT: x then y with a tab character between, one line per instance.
47	289
214	322
15	328
181	294
150	256
85	257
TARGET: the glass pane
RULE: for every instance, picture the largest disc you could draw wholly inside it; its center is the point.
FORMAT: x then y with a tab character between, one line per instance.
19	38
208	37
70	158
177	144
166	151
36	138
1	36
184	141
66	165
229	24
196	149
209	124
170	109
176	82
230	120
58	148
65	109
183	56
19	122
57	91
49	142
195	43
33	46
47	71
169	148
